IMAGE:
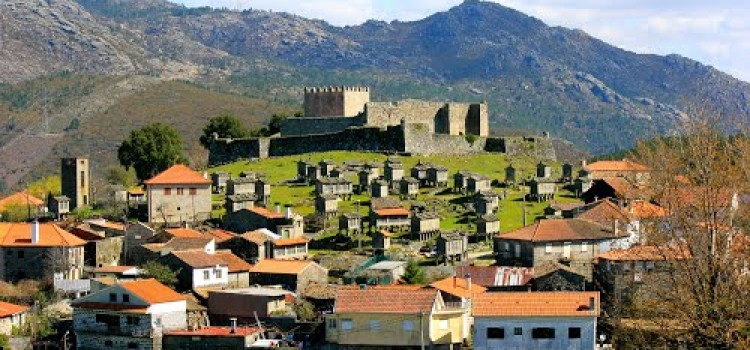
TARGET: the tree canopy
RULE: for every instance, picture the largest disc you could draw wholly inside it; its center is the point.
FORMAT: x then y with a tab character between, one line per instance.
160	272
151	150
225	126
414	273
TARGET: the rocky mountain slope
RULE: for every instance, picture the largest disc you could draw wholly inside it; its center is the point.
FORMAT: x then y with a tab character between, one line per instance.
534	76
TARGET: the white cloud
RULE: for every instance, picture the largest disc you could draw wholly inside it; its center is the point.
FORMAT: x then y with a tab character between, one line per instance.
699	29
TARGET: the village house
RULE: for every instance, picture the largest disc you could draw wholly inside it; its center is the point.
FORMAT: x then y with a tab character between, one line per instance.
238	270
560	210
460	291
389	214
477	183
177	195
220	236
394	317
287	248
487	226
379	188
554	276
12	317
197	269
249	246
24	202
437	176
286	225
350	223
100	249
573	242
219	181
213	338
294	275
452	247
425	226
618	188
39	251
334	186
408	188
136	235
632	171
128	315
327	205
153	251
245	303
535	320
499	278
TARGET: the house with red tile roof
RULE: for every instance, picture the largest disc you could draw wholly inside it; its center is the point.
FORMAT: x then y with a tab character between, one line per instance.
12	316
22	200
213	337
294	275
178	195
128	315
39	251
618	168
394	318
197	269
574	242
287	224
617	188
535	320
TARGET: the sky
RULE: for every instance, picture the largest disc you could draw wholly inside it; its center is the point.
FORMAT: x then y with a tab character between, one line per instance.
715	32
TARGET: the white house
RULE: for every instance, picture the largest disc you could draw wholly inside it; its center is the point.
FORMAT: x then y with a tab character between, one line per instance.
535	320
11	316
128	315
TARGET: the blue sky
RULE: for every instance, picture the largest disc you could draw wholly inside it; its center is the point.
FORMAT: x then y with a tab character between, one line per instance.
714	32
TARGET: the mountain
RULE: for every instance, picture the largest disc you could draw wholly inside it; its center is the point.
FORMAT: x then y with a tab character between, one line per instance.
535	77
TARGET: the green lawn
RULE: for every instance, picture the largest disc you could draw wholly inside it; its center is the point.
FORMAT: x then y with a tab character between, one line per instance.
279	170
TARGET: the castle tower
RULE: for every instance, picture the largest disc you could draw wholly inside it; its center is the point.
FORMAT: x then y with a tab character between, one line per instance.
76	181
335	101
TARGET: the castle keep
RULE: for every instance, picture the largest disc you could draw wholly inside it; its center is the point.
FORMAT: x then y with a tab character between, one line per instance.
344	119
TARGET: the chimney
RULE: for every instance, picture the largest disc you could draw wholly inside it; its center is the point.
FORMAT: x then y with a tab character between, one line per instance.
278	208
468	282
455	281
233	320
592	303
288	214
35	232
616	226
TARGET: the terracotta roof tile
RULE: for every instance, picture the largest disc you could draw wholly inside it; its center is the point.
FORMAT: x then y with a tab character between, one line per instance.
113	269
254	236
616	165
288	267
646	210
152	291
647	253
235	263
458	287
221	236
392	212
556	230
603	211
183	233
50	235
535	304
178	175
181	244
266	213
8	309
384	300
199	258
286	242
20	199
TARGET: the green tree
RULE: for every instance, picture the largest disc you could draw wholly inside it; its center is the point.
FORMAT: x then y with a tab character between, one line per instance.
305	311
225	126
151	149
414	273
119	175
160	272
274	126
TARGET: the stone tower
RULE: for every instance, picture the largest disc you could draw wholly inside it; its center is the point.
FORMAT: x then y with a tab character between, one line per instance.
76	181
335	101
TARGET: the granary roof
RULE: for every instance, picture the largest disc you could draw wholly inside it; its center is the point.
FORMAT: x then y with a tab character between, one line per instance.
334	180
556	230
392	212
535	304
50	235
242	197
385	300
178	175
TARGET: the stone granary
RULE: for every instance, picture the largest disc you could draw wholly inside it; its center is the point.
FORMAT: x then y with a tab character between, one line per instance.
237	202
543	170
302	170
510	175
419	172
381	241
567	172
477	183
542	189
262	191
424	226
350	223
394	172
452	247
379	188
487	226
327	205
582	184
486	202
459	181
437	176
241	185
59	206
336	172
388	213
325	166
408	188
219	181
366	176
334	186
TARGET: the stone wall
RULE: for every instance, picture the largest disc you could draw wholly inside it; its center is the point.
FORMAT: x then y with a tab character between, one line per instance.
440	117
309	125
336	101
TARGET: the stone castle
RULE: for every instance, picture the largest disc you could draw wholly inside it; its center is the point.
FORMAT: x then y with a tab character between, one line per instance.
344	119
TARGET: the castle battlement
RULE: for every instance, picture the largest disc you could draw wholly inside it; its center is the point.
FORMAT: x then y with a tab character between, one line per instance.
329	89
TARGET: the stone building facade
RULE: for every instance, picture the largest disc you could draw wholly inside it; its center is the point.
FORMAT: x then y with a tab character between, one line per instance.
179	194
75	178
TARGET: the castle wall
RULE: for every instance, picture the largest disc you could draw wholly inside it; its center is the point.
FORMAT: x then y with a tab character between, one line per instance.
337	101
309	125
440	118
418	140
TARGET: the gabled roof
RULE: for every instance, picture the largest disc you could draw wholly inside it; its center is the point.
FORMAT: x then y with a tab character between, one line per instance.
286	242
286	267
616	165
647	253
265	213
646	210
199	259
183	233
603	211
385	300
559	230
549	267
221	236
178	175
535	304
50	235
458	287
152	291
20	199
180	244
8	309
254	236
621	187
392	212
235	263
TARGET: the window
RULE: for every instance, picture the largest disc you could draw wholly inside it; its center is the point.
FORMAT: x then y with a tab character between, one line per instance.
584	246
375	325
167	191
206	275
108	343
83	179
109	320
495	333
518	331
347	324
444	324
408	325
548	248
180	191
650	266
543	333
574	333
218	273
126	298
132	320
193	191
517	247
626	267
331	323
20	254
112	297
